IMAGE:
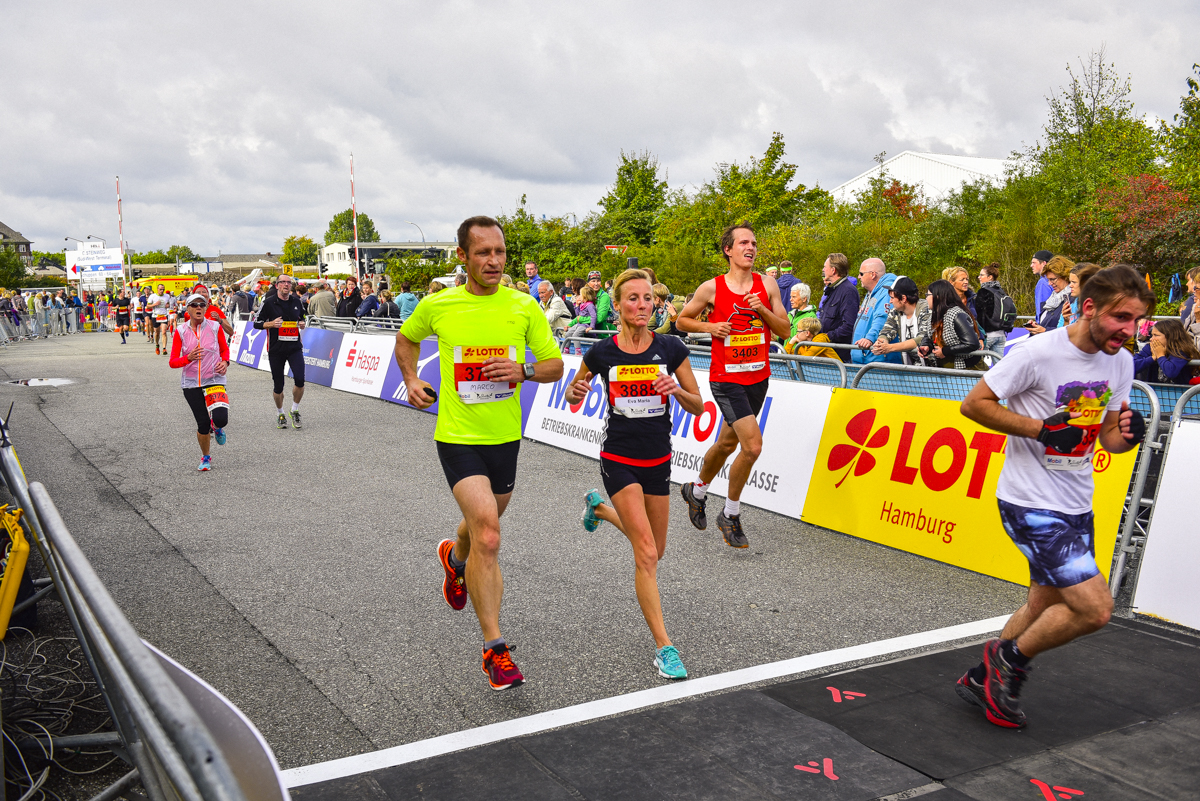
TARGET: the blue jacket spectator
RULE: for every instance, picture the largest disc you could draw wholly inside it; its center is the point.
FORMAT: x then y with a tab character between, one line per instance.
839	302
369	303
873	311
1043	290
406	300
532	278
1164	359
786	281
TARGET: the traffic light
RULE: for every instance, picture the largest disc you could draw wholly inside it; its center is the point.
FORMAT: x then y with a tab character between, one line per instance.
322	268
136	273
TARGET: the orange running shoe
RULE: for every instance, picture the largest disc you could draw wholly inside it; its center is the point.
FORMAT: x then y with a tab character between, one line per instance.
500	670
454	586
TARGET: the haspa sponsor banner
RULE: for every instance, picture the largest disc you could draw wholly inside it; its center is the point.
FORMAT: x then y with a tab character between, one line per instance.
429	369
250	348
791	421
1167	583
321	348
362	363
914	474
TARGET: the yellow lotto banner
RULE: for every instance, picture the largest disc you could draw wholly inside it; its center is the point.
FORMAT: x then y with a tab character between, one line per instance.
914	474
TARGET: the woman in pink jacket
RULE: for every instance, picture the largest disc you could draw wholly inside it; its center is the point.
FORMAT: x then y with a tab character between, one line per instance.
199	348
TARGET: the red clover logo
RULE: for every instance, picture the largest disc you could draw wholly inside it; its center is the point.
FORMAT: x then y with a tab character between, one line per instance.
859	431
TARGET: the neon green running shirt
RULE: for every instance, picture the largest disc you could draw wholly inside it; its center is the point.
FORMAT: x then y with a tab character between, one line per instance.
470	329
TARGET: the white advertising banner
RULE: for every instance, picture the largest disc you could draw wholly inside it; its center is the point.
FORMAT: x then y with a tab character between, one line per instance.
362	363
1166	585
792	418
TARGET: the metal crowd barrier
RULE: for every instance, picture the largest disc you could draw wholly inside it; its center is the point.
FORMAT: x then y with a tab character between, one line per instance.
1139	509
173	753
1187	406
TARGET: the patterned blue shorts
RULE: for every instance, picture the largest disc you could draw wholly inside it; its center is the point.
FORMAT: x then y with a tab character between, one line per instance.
1061	548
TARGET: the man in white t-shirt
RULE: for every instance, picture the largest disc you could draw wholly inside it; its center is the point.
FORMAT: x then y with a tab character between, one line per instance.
1066	391
157	306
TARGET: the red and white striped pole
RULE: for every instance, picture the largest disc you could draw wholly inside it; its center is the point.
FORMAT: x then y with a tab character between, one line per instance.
121	233
354	216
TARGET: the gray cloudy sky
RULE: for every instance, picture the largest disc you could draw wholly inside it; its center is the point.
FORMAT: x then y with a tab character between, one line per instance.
231	123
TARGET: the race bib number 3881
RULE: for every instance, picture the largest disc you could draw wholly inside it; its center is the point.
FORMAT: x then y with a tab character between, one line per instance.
631	390
469	381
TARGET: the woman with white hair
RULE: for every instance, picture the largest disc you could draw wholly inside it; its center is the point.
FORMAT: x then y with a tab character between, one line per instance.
801	308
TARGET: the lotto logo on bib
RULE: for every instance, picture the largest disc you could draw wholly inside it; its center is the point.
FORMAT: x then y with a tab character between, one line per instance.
914	474
631	390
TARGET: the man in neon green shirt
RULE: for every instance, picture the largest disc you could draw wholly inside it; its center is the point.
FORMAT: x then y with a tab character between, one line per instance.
482	337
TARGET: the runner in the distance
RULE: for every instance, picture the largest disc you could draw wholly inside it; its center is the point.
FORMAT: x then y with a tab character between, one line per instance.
121	304
282	315
199	347
635	455
157	308
1066	391
746	310
482	333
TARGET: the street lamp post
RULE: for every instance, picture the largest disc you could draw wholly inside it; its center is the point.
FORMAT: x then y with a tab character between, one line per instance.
410	222
102	239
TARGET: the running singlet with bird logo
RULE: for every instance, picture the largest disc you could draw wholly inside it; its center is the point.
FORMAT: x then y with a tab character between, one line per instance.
741	357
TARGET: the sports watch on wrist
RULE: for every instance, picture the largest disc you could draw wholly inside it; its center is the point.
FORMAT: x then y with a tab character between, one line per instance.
527	368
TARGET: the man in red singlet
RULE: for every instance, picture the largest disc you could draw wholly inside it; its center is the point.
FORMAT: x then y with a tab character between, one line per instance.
746	310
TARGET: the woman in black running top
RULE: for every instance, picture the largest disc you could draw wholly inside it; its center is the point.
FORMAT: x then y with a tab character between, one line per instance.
636	367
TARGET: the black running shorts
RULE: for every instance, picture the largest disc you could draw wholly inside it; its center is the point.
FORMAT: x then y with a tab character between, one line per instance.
497	462
655	480
277	362
739	400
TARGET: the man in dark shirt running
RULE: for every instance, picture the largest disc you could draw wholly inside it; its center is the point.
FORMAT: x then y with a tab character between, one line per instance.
282	315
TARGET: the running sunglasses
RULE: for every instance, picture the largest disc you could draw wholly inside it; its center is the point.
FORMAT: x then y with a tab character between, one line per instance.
197	305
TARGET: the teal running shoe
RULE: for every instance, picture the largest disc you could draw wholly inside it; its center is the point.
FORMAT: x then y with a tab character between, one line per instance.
666	659
205	464
591	501
220	434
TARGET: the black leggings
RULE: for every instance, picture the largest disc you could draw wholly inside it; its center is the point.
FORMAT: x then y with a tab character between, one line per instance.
195	398
278	362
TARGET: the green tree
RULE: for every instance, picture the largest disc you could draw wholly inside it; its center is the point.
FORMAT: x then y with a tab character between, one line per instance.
12	269
300	250
634	202
58	257
1092	138
182	253
1181	141
341	228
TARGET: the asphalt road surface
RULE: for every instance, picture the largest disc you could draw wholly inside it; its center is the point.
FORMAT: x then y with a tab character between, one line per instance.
299	576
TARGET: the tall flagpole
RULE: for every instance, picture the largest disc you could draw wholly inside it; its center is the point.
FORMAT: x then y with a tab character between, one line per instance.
354	215
121	233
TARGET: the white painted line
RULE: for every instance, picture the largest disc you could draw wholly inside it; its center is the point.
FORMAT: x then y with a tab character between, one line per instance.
532	724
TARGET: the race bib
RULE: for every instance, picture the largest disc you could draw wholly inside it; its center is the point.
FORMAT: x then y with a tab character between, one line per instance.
289	332
1080	458
160	318
216	398
745	353
469	381
631	390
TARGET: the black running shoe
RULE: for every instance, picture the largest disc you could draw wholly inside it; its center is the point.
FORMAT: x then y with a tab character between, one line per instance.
971	692
296	420
1001	688
696	511
282	421
731	530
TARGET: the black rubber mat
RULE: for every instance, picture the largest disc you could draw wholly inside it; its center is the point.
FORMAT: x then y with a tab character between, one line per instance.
1115	715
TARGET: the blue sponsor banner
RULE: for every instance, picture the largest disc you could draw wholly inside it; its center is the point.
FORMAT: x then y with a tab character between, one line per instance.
320	355
429	370
250	349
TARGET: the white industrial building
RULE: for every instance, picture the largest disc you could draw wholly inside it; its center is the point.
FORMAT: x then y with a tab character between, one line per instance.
934	174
